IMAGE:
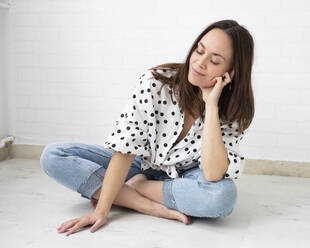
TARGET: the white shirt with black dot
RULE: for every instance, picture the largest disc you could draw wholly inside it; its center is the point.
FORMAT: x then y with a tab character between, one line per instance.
150	124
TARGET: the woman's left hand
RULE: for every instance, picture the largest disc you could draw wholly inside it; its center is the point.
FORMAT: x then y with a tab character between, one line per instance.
212	95
95	219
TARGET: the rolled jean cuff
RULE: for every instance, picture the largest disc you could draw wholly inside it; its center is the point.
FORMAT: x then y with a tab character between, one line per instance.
91	185
169	200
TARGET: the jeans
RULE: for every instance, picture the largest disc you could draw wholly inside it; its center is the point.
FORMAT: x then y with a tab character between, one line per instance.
81	167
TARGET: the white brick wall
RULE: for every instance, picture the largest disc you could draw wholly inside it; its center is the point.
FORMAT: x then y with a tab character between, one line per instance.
74	64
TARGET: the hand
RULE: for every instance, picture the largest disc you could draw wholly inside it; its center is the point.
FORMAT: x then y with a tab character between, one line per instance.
212	95
95	219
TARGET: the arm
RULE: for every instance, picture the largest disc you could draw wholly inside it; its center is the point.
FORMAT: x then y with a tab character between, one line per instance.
214	157
113	181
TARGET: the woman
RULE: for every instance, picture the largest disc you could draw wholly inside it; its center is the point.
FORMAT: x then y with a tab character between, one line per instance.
175	145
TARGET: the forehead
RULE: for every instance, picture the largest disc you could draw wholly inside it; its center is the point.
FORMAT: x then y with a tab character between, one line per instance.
217	41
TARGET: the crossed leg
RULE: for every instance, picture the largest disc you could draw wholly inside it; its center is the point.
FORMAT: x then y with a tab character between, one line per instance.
136	194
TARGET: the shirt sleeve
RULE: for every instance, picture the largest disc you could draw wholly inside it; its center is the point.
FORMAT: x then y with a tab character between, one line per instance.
130	135
231	140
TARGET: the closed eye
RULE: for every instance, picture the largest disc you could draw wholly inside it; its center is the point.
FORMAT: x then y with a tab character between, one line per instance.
211	60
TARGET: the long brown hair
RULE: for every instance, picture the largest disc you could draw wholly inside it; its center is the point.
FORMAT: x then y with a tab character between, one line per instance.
236	104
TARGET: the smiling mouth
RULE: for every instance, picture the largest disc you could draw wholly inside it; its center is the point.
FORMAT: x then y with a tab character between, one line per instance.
197	73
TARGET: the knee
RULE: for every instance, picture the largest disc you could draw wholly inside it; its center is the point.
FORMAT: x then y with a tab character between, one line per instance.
223	200
226	197
47	158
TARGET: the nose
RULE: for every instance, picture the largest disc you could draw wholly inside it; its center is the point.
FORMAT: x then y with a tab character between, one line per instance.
202	61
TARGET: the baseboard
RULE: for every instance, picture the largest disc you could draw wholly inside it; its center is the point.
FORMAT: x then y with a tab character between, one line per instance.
25	151
277	168
253	166
4	153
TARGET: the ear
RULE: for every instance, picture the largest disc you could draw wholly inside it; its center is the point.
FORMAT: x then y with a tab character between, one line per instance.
231	74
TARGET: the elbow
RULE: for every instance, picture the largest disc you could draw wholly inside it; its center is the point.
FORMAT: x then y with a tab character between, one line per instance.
211	177
214	177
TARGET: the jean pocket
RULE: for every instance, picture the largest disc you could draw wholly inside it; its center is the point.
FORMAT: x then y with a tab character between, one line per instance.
204	184
190	176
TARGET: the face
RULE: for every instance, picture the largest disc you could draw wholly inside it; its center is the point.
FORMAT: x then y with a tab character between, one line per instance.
212	58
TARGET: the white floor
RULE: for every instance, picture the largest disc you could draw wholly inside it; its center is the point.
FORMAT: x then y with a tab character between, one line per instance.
272	211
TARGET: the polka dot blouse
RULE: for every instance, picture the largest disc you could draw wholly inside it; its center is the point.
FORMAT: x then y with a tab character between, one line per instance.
150	124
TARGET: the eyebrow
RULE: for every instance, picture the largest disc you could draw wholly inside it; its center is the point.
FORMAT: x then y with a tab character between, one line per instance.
216	54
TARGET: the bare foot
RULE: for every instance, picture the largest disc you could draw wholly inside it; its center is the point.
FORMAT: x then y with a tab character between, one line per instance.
163	211
93	203
159	210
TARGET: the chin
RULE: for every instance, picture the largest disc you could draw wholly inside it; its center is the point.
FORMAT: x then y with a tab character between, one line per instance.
196	83
206	87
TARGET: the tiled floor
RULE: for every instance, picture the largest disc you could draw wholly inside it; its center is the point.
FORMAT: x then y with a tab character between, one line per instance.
271	211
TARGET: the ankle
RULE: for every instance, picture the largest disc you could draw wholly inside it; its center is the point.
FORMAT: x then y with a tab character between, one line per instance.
96	195
146	205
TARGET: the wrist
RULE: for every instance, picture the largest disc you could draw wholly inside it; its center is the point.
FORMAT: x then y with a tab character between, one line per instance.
211	107
101	213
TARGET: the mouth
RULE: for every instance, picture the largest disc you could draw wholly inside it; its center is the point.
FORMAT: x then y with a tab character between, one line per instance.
197	73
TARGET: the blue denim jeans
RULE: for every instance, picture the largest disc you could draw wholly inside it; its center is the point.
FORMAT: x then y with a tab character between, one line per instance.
81	167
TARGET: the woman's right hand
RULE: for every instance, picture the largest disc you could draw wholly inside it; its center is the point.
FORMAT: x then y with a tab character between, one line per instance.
95	219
